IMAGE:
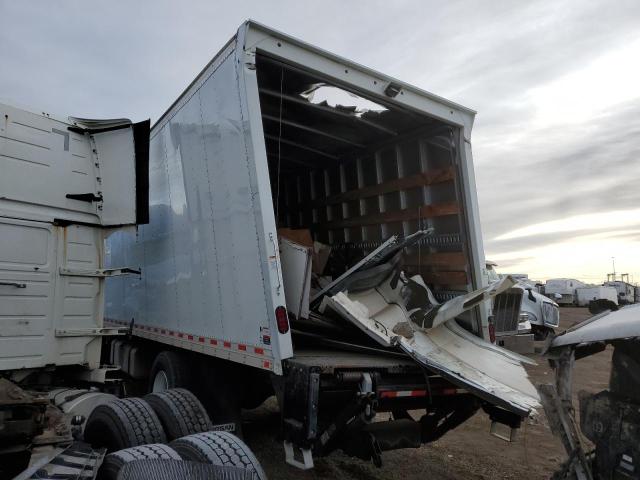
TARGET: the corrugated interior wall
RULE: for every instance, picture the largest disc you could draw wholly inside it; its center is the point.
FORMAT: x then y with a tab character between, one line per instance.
356	177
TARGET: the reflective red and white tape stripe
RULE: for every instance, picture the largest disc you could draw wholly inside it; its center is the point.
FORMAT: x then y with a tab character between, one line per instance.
240	348
420	393
402	393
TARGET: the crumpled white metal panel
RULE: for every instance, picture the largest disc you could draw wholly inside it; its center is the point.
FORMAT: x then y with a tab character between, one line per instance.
606	327
491	372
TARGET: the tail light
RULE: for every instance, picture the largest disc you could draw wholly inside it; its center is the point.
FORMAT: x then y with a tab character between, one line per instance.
281	319
492	332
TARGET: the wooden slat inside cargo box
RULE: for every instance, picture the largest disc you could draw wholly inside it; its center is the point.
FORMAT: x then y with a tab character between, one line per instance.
424	211
395	185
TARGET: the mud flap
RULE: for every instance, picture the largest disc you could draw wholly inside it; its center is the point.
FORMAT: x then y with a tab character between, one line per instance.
390	314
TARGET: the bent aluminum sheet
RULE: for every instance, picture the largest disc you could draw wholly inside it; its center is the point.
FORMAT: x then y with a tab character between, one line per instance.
380	255
490	372
606	327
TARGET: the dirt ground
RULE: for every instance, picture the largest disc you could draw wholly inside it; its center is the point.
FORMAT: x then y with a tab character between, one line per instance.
469	452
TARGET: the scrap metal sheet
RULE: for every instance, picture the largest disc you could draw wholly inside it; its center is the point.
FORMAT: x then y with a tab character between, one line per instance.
490	372
606	327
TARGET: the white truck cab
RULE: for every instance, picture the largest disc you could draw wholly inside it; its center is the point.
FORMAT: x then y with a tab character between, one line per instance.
542	312
521	310
65	185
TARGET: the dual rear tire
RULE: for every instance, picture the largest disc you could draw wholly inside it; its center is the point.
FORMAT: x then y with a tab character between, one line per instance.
158	418
135	429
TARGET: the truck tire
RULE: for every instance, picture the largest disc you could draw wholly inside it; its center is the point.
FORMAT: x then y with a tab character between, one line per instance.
180	412
169	370
123	423
218	448
114	462
183	470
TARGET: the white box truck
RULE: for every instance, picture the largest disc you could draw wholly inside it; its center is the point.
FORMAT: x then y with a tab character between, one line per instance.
262	140
626	291
585	295
563	290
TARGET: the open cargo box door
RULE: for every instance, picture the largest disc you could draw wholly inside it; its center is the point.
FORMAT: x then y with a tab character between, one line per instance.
402	312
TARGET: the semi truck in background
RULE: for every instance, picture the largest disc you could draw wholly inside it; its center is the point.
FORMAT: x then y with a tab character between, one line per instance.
521	314
327	254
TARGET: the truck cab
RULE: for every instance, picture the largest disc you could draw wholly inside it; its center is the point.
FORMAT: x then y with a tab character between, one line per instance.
521	310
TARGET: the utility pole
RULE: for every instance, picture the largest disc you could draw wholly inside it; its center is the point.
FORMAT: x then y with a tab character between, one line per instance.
611	277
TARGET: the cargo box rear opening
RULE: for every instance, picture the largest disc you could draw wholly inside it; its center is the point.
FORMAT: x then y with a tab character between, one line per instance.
354	171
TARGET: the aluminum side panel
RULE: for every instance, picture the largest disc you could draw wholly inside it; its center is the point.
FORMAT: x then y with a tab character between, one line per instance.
203	254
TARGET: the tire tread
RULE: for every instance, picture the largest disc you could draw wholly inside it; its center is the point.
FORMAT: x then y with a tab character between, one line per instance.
218	448
124	423
180	412
114	462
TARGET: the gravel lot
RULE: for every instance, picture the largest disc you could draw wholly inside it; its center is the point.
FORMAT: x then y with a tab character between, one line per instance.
468	452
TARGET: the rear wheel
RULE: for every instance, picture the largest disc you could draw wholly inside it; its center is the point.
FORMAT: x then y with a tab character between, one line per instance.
218	448
180	412
114	462
123	423
169	370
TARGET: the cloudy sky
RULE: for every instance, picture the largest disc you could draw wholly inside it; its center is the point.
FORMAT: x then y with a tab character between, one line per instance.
556	85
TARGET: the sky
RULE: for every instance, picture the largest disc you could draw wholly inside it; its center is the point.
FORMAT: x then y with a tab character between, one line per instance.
556	142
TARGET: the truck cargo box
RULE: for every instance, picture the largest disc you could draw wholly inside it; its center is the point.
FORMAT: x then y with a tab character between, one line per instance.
282	178
277	133
588	294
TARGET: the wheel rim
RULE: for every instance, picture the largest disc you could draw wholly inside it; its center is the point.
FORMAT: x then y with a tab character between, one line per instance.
160	382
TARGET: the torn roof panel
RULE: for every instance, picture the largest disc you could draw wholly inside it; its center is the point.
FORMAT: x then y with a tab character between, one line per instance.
304	98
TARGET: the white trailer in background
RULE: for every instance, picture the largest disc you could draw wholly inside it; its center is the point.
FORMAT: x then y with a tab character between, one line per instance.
563	290
258	143
626	291
585	295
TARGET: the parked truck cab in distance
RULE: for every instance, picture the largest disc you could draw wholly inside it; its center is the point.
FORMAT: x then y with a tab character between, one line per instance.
536	314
